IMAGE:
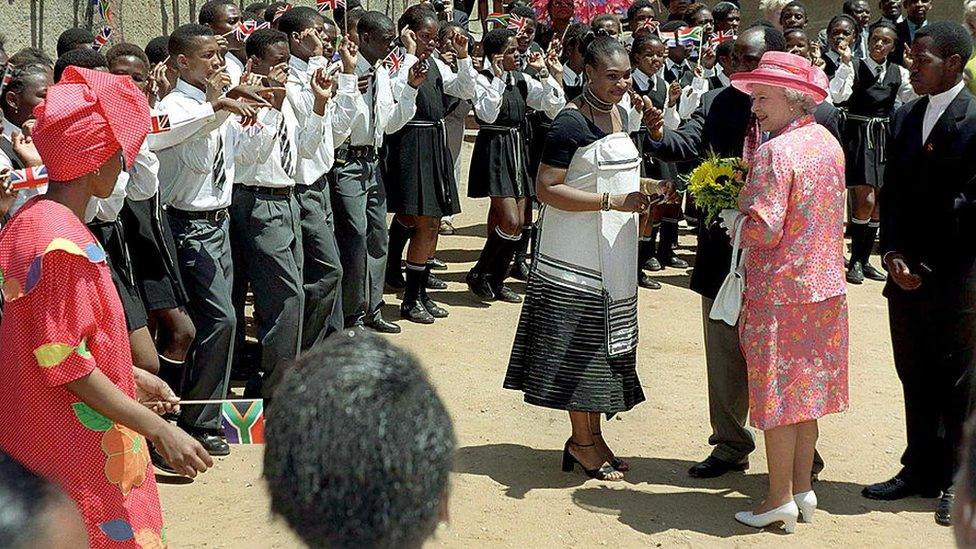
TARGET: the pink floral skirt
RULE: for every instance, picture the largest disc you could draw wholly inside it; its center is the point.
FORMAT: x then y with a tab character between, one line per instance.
797	360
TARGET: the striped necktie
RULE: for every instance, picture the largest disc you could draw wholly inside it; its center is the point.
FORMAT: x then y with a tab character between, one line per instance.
284	144
219	174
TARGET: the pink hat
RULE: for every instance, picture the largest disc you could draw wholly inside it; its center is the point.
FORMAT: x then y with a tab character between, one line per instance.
785	70
86	118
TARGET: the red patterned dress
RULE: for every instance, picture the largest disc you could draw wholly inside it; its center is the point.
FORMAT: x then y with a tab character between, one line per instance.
62	319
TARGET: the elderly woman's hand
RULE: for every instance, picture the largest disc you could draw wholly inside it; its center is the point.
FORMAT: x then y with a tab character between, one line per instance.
729	218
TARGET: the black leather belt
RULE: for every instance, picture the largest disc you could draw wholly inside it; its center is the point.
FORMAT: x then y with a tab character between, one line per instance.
365	152
272	191
214	216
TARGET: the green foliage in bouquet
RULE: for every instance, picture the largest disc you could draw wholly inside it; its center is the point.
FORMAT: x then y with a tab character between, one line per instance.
716	183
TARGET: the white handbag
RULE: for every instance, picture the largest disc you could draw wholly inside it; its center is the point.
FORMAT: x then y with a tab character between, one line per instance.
728	302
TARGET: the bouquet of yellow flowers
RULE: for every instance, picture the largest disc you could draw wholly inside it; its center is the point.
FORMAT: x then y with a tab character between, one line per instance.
715	185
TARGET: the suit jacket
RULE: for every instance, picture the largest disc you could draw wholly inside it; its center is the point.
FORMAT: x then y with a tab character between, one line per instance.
903	42
719	125
928	201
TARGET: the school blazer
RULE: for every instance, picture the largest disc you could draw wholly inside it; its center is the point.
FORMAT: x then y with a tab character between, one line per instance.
928	200
718	125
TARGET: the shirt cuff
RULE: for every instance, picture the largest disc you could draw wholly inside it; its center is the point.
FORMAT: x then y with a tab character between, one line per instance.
348	84
464	64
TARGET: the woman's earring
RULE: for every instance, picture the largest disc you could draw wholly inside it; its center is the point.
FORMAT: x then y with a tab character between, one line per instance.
98	171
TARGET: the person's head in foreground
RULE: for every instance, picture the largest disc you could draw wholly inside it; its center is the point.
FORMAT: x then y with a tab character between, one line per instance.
964	505
784	88
35	512
939	55
359	446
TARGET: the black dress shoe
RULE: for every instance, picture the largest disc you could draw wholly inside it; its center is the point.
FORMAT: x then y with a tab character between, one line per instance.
855	273
943	511
520	270
159	461
713	467
394	279
674	262
873	273
506	294
434	309
383	326
435	283
213	444
652	264
416	312
645	281
479	286
437	264
895	488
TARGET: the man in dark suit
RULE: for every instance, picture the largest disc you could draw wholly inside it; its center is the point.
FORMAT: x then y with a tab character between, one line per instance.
914	18
720	125
928	223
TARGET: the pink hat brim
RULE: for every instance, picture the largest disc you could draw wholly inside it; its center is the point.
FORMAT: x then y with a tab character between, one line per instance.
744	81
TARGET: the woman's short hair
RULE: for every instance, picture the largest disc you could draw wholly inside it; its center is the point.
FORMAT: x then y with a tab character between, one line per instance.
415	16
359	446
597	49
837	19
642	4
495	42
802	102
722	10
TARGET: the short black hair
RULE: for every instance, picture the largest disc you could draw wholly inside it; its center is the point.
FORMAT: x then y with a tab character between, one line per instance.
524	11
639	5
346	7
86	58
253	8
208	11
948	39
181	41
30	56
373	21
722	10
495	41
601	48
24	496
359	446
269	12
641	39
125	49
447	26
841	17
575	35
883	24
415	16
802	32
848	7
597	22
157	50
258	43
73	38
795	4
298	19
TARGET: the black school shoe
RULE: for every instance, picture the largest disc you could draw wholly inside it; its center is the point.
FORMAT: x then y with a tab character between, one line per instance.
416	312
645	281
896	488
506	294
435	283
479	286
873	273
943	511
713	467
855	273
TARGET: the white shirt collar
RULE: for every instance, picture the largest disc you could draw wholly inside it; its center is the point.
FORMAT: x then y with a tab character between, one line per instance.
9	129
362	65
297	63
570	78
190	90
642	80
229	57
669	64
941	100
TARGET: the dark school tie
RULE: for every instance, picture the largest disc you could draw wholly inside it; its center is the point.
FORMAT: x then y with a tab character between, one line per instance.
219	175
284	145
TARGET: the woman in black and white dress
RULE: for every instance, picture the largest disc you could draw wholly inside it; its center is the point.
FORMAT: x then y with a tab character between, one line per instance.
499	162
576	344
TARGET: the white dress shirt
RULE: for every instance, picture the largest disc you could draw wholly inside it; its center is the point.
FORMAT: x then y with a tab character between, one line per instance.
671	118
339	114
571	78
391	113
460	84
143	175
937	106
106	210
546	96
259	153
842	84
235	68
186	167
24	194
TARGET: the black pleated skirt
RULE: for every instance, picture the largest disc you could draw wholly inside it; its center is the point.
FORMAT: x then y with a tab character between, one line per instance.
112	238
153	253
499	166
418	173
864	152
559	358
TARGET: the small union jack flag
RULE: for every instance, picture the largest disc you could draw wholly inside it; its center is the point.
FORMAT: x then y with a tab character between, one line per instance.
245	29
518	24
323	5
281	11
102	38
649	24
394	60
160	124
28	177
722	36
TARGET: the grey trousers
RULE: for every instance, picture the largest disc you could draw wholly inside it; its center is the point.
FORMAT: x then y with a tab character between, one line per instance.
728	392
204	256
322	269
266	241
359	203
728	389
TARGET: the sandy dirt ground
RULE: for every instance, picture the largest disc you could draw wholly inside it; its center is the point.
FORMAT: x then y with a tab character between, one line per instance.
508	490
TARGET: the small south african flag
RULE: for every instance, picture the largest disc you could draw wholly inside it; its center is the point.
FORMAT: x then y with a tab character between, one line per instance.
500	20
243	421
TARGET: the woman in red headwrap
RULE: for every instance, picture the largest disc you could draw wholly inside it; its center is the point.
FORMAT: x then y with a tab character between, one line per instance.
70	411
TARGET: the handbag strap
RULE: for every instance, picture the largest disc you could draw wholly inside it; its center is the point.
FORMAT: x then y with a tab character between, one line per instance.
736	242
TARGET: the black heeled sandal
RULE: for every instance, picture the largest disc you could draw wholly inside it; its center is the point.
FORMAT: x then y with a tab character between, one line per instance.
569	461
616	462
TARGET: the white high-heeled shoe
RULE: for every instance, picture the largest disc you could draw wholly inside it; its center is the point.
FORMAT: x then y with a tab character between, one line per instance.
807	503
787	514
